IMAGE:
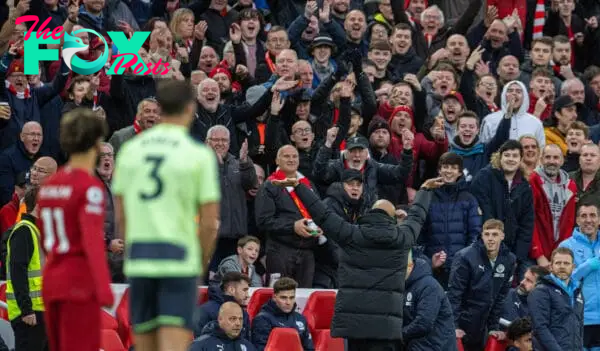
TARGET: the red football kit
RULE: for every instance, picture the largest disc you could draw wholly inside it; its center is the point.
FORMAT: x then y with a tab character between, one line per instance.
76	280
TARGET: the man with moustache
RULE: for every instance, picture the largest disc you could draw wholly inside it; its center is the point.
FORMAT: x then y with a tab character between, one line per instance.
559	308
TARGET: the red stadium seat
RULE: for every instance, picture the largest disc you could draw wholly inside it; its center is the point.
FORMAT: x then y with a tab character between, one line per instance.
257	300
284	339
202	295
493	344
110	341
459	344
326	342
107	321
124	324
3	312
318	312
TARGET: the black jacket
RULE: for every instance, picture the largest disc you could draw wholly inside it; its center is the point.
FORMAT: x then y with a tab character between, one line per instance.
428	321
372	269
218	340
21	251
13	161
270	317
477	290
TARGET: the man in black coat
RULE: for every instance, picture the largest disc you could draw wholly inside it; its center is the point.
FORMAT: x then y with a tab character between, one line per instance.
372	267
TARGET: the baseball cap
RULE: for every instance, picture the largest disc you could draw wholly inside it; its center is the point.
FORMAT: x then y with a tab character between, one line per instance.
562	102
357	142
455	95
352	174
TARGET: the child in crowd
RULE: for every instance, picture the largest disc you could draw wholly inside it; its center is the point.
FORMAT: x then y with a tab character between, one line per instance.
248	248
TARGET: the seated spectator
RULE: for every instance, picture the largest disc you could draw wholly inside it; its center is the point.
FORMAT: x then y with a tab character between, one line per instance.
515	304
227	335
280	312
519	335
233	287
428	322
479	281
248	248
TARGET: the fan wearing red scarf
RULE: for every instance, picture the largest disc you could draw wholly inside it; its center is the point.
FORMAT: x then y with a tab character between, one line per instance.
148	115
284	218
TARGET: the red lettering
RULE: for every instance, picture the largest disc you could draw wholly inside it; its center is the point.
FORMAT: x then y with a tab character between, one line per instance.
149	71
57	33
42	30
166	71
28	18
155	70
121	58
138	69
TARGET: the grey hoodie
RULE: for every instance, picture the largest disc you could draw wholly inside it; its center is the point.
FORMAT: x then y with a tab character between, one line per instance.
522	123
231	264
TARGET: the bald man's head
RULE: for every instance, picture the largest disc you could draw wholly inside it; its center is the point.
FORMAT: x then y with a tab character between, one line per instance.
42	169
32	137
231	319
386	206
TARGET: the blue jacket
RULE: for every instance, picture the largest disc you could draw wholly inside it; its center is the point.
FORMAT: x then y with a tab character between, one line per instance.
477	290
428	321
270	317
209	311
515	306
13	161
586	267
512	206
218	340
558	315
453	221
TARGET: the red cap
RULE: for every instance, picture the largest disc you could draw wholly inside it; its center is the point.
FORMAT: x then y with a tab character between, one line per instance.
456	95
16	66
403	108
222	67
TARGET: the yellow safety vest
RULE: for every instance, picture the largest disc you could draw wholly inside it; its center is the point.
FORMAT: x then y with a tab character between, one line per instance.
34	274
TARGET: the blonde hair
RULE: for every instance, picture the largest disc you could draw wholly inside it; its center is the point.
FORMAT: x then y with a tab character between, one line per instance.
177	18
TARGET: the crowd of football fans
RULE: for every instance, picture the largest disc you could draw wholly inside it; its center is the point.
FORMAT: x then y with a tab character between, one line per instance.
362	100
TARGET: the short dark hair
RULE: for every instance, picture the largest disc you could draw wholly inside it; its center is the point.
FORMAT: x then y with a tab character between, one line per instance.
590	73
562	39
467	114
284	284
80	130
452	159
542	71
174	96
518	328
247	239
30	198
539	271
402	26
543	40
562	251
380	45
368	63
511	145
587	203
231	278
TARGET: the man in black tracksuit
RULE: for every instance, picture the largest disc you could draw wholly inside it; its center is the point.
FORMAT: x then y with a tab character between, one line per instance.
479	281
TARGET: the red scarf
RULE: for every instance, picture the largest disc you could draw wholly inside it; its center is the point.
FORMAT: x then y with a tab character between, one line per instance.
343	145
493	107
261	132
539	19
20	95
336	116
279	175
571	36
429	39
269	62
136	127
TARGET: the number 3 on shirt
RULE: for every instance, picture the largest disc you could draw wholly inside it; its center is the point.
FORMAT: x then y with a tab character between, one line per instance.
156	162
55	218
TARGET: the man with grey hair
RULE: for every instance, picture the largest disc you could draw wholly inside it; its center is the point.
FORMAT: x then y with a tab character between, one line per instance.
148	115
575	88
554	200
237	176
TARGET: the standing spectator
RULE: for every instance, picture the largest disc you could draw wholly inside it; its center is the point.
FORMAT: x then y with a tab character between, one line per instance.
515	304
284	218
280	312
585	246
454	219
227	336
19	158
558	314
479	282
233	287
503	193
9	212
148	114
374	251
428	322
554	195
236	176
587	177
248	248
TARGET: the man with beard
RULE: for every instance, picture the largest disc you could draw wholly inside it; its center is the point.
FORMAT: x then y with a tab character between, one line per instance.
479	281
404	59
554	197
355	26
585	245
454	220
503	179
515	304
561	58
558	314
515	102
466	143
148	114
577	136
587	177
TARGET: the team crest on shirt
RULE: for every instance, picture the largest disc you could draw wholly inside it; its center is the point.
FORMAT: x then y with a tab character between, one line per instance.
408	299
499	271
94	196
300	325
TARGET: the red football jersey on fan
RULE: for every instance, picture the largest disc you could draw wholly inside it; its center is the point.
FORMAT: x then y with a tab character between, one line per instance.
71	211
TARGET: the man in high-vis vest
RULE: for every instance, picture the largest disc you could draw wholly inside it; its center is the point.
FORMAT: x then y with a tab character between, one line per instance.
24	262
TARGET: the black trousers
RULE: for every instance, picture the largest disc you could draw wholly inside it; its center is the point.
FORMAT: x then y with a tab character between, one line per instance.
290	262
30	338
374	345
